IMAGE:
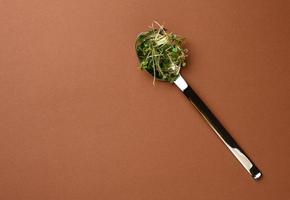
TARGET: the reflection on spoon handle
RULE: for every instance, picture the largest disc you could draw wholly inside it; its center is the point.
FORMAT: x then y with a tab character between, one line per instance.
218	128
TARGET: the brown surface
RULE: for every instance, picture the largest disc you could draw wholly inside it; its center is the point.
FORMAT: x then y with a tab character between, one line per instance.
80	121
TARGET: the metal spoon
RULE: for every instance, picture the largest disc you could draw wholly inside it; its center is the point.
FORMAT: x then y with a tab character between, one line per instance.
215	124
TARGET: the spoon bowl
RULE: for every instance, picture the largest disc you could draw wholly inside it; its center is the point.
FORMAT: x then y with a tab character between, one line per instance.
160	54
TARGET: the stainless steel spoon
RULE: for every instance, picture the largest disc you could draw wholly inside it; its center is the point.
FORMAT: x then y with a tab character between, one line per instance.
216	125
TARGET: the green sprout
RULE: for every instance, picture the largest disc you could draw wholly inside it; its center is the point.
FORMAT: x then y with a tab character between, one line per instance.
161	53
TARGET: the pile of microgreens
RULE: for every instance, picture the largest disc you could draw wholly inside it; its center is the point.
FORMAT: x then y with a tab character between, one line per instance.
161	53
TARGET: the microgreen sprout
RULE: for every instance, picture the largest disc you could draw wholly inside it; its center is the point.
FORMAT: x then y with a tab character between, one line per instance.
161	53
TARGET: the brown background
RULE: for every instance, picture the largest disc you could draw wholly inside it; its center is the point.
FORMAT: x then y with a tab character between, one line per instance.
78	120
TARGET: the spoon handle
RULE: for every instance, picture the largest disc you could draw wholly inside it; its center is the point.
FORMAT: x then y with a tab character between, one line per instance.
218	128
